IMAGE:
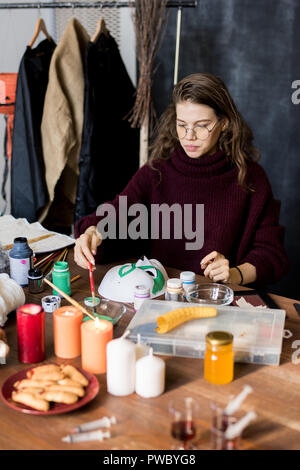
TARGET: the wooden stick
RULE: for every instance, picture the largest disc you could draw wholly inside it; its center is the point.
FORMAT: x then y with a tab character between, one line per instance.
62	255
32	240
47	258
75	278
51	262
65	255
43	260
69	299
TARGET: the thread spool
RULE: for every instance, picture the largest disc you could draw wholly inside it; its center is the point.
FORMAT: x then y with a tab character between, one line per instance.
11	296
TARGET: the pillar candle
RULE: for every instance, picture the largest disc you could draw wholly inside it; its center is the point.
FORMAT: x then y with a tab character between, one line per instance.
121	360
150	376
95	334
31	333
66	327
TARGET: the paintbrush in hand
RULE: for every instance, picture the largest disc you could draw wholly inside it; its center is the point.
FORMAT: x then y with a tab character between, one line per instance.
92	282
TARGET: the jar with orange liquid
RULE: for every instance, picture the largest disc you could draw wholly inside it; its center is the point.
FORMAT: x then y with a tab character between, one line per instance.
219	358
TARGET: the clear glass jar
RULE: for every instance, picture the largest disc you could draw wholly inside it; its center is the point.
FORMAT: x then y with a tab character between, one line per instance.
219	357
174	290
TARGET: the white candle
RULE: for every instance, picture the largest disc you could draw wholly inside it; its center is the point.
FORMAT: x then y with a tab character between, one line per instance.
121	359
150	376
141	350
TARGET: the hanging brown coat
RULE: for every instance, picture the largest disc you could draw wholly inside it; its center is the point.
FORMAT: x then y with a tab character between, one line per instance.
62	125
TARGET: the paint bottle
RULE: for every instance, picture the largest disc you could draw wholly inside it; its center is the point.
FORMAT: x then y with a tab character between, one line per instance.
35	281
61	277
174	290
188	280
141	293
20	261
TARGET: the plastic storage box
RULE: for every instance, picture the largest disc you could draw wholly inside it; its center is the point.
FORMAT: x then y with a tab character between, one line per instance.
257	332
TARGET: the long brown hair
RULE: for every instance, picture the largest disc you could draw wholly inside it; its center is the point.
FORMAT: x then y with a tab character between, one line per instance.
236	140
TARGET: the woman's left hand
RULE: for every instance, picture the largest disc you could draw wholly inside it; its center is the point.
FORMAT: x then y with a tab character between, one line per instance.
216	267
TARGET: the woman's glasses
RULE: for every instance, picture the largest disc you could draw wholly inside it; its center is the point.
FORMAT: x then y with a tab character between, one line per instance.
201	132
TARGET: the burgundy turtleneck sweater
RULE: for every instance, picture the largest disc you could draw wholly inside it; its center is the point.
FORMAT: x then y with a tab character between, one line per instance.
243	226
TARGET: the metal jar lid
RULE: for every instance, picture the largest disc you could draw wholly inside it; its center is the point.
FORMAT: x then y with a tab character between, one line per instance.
219	338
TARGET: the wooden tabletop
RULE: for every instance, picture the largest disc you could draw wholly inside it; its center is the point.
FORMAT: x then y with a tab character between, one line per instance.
145	423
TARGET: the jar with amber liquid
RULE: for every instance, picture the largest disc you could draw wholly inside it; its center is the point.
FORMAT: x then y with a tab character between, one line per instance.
219	358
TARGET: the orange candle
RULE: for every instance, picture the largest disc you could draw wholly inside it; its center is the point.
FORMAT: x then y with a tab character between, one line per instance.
95	334
66	324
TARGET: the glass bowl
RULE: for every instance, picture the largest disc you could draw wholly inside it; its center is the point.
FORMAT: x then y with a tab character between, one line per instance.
108	310
210	294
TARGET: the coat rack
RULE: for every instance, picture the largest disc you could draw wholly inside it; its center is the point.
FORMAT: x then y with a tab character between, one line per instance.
103	4
179	4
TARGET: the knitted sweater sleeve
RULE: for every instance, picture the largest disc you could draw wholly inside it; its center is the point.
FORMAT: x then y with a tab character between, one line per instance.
265	235
111	249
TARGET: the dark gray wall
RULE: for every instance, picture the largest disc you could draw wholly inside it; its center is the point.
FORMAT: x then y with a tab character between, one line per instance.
254	46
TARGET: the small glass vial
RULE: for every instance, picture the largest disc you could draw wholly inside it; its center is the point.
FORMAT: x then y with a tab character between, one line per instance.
188	280
220	422
35	281
174	290
50	303
219	440
91	305
141	293
61	277
219	357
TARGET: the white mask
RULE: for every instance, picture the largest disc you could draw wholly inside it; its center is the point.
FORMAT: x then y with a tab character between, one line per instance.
119	282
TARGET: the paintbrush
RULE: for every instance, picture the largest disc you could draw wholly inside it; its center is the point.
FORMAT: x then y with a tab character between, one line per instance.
69	299
51	262
46	259
92	282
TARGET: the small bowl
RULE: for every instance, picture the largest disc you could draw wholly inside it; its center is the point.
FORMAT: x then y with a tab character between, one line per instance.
210	294
109	310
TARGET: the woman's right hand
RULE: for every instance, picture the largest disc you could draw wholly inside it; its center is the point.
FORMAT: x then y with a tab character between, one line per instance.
86	247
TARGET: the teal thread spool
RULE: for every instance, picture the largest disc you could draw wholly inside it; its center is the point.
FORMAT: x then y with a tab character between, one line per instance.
61	277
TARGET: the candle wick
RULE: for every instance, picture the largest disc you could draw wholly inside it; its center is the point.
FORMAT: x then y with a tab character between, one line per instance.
125	334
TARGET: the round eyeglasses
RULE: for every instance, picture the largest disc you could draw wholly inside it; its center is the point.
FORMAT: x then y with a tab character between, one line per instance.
201	132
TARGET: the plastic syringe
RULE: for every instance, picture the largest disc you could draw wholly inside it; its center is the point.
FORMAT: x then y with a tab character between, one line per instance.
87	436
104	422
235	404
236	429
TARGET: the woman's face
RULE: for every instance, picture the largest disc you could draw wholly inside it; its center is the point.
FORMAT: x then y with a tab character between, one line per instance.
198	128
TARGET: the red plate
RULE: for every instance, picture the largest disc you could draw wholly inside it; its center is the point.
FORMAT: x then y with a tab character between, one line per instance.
55	408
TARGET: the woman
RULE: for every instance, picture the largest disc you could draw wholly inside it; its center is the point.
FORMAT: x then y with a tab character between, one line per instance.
203	154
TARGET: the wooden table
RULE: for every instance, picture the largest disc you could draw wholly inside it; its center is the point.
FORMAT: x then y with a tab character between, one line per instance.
145	423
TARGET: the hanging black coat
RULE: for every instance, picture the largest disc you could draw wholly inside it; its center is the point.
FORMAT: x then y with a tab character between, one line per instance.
28	186
109	153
